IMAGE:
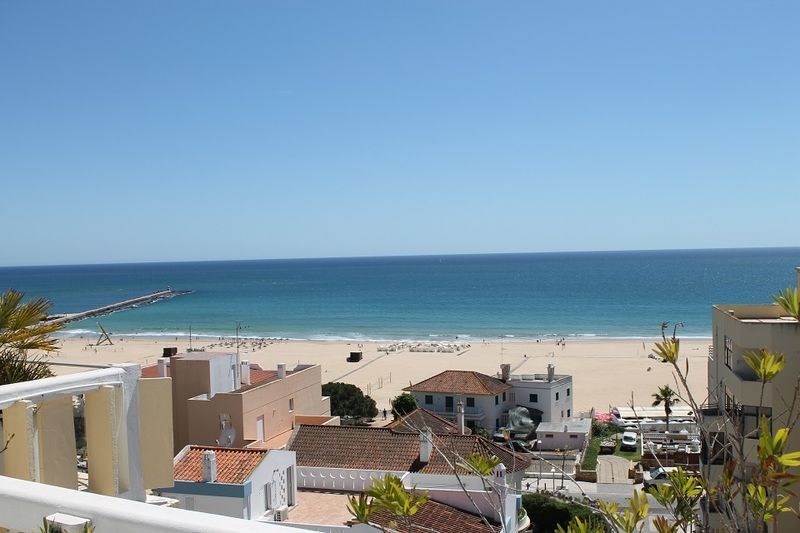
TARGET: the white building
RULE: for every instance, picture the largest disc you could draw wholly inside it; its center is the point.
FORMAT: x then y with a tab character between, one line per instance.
572	434
487	399
253	484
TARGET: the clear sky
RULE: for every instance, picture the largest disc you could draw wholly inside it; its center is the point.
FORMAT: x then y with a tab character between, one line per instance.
167	130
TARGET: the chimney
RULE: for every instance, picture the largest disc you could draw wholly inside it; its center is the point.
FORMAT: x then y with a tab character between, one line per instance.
460	417
505	372
162	368
209	466
246	372
281	370
425	445
551	371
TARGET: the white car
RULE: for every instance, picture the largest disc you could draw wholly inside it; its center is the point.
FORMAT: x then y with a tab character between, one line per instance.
658	476
628	441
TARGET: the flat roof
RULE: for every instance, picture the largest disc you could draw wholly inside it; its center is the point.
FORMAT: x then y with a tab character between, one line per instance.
573	425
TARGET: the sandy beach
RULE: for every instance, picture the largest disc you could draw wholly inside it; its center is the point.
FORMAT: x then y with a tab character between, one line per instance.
605	372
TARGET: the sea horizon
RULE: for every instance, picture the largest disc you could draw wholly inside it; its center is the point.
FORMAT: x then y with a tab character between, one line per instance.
577	295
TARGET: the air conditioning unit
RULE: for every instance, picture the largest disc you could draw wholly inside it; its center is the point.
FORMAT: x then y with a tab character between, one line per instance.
281	514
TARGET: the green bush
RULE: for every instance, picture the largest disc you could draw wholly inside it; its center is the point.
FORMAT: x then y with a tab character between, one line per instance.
589	461
349	400
547	513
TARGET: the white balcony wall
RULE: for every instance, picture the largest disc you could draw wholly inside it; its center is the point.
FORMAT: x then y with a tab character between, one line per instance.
23	505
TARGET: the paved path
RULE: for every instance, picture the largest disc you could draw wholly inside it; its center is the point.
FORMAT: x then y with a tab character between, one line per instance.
612	469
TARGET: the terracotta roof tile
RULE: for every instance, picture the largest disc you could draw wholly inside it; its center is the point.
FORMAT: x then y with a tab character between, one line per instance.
421	418
234	465
461	382
435	516
383	449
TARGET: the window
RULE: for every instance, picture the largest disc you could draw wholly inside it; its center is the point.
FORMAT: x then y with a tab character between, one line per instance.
573	436
562	413
556	396
728	351
568	412
533	398
567	392
504	396
428	399
496	423
548	435
448	404
470	402
291	404
496	400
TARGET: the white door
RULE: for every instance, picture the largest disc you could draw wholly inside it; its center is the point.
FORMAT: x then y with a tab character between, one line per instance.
260	428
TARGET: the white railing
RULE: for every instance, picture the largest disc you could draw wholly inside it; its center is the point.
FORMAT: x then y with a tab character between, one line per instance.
23	505
350	480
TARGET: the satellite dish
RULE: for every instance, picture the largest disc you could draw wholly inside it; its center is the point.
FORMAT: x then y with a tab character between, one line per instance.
226	437
227	432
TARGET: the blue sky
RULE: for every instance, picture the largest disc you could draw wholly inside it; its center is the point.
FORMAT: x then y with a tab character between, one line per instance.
194	130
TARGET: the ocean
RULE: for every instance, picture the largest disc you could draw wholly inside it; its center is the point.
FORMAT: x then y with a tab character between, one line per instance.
469	297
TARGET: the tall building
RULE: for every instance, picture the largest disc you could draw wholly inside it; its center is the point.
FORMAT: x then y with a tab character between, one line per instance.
733	387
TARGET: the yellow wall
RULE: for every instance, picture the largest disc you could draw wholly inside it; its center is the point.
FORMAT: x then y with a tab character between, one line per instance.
102	412
155	432
56	433
19	457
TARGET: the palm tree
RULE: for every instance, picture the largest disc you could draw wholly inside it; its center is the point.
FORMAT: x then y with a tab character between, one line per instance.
668	397
22	328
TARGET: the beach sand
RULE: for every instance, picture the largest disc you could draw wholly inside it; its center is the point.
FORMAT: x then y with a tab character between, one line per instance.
605	373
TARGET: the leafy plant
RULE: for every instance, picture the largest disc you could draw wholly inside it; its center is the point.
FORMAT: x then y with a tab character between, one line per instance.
22	328
789	300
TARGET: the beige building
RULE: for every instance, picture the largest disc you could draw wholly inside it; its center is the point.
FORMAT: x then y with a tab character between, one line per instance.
732	385
220	401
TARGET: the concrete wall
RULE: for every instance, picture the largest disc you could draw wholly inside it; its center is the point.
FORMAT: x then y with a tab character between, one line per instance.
155	431
55	428
23	505
351	480
102	411
190	378
561	440
205	419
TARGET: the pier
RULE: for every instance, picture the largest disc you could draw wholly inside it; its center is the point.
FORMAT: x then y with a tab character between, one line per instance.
153	297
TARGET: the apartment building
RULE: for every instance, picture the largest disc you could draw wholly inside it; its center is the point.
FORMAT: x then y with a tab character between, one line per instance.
732	385
220	400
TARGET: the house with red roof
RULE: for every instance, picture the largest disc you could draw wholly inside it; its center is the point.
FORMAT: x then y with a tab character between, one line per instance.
253	484
486	400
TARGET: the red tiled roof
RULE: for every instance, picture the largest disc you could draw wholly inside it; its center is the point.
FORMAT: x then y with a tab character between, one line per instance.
234	465
151	371
435	516
383	449
461	382
421	418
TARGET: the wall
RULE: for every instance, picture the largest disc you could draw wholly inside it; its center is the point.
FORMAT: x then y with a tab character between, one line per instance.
190	377
546	391
221	505
273	469
155	436
561	440
272	401
23	505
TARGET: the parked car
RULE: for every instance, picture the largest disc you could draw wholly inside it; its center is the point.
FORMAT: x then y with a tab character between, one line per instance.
658	476
628	441
519	446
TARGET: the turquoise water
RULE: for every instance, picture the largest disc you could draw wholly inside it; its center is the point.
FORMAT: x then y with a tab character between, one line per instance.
514	296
